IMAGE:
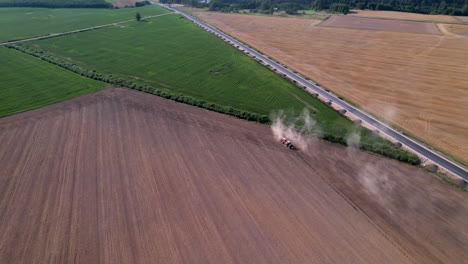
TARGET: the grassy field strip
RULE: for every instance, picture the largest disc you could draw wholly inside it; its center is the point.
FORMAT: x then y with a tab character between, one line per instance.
24	23
28	83
77	31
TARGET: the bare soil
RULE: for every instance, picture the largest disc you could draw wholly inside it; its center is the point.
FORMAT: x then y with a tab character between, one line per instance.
124	177
415	81
406	16
379	24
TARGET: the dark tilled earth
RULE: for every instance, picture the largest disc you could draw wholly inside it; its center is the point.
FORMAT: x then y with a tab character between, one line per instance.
120	176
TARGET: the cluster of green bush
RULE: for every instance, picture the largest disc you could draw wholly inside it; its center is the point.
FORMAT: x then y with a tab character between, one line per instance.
391	152
142	3
379	148
144	88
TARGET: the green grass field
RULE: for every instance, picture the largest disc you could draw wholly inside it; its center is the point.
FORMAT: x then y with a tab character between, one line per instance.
28	83
173	54
20	23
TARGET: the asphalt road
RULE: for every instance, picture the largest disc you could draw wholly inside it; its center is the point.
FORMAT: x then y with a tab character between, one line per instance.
416	147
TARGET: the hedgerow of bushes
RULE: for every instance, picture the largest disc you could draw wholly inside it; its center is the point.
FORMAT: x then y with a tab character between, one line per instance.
379	148
142	3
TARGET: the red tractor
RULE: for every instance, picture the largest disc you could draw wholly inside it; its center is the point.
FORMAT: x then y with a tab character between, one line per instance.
287	143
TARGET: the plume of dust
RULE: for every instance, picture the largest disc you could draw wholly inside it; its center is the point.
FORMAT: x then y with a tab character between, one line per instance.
386	188
371	175
376	179
353	139
377	183
389	110
389	113
287	126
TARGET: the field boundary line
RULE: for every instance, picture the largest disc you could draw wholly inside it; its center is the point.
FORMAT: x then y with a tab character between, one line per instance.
318	24
53	35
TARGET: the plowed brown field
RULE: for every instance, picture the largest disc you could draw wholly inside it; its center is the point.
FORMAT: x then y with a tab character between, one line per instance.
123	177
380	24
416	81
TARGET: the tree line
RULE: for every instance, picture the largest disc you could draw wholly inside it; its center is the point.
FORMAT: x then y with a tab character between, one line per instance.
444	7
56	3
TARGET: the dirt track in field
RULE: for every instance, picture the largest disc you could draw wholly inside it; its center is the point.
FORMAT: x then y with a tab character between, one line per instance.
353	22
416	81
124	177
406	16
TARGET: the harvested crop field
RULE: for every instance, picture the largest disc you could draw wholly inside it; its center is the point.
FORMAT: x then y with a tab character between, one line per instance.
124	177
405	16
379	24
415	81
